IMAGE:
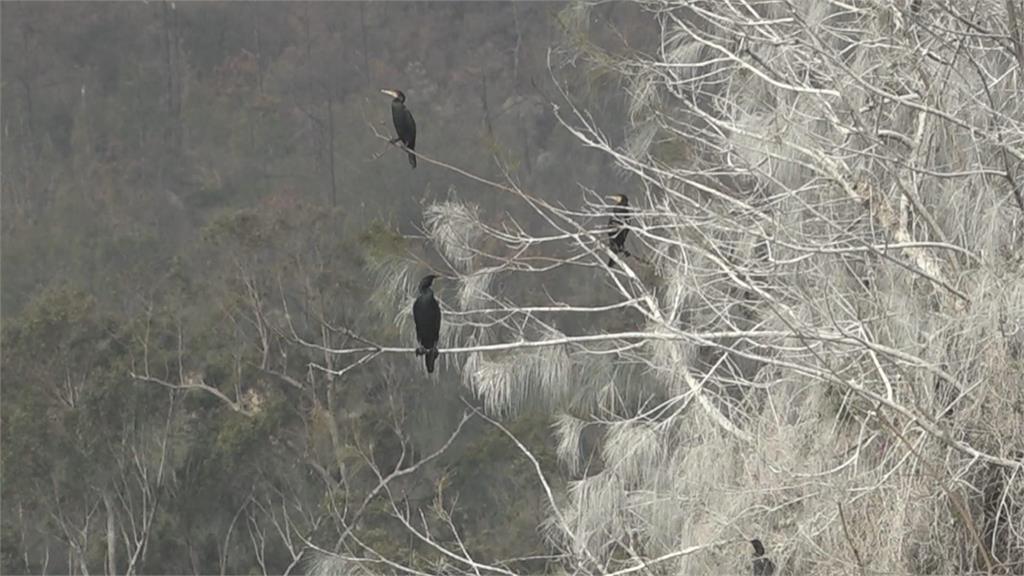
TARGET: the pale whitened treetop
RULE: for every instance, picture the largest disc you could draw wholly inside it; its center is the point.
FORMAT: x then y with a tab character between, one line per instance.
818	337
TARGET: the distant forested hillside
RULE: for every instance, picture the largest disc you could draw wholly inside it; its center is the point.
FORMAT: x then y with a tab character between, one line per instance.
188	189
726	287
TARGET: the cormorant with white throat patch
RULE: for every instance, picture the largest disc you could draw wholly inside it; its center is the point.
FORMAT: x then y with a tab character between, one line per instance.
405	126
426	313
618	221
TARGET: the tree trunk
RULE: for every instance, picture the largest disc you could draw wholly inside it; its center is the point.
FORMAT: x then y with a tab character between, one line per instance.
111	535
366	50
483	103
330	145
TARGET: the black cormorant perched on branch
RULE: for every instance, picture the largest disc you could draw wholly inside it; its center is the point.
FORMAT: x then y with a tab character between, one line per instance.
762	565
617	221
405	126
426	313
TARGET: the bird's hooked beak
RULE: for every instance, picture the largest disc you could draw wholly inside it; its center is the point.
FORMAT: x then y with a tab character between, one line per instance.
391	93
615	198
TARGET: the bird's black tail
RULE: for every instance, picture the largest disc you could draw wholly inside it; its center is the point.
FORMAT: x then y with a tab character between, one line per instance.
412	159
432	355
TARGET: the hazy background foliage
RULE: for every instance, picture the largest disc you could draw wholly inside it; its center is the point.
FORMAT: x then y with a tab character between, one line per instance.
819	324
169	168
